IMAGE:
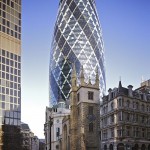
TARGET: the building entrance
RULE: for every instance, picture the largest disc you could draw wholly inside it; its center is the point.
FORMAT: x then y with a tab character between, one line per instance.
120	146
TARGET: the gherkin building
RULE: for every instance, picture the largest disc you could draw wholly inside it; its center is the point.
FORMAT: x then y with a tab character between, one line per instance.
77	40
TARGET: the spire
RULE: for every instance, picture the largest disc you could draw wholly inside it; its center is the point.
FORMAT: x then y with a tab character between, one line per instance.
82	76
120	84
82	72
74	77
97	76
90	81
120	87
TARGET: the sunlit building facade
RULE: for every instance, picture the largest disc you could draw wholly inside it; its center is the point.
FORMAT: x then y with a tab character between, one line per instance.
77	40
10	63
125	118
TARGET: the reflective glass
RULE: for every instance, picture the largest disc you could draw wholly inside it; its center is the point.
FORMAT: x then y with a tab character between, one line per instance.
77	40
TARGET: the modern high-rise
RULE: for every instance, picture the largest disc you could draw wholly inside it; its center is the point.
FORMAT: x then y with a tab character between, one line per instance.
10	68
77	40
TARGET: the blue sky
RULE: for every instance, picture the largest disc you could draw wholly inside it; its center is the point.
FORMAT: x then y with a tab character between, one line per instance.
126	34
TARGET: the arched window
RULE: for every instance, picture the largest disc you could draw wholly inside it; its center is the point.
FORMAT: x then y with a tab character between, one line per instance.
105	147
136	147
91	127
120	146
120	102
111	147
143	147
137	105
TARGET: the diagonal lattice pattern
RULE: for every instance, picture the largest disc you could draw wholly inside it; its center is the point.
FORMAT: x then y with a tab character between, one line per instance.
77	39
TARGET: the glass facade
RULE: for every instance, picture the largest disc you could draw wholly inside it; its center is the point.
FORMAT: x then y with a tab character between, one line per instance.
77	40
10	62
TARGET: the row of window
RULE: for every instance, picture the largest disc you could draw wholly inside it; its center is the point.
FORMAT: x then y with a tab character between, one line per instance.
11	121
127	131
10	25
12	3
12	100
10	66
10	32
11	92
8	84
8	106
127	117
11	77
10	55
127	104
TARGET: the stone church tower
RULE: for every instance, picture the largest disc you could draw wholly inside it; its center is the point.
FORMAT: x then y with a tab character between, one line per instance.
85	114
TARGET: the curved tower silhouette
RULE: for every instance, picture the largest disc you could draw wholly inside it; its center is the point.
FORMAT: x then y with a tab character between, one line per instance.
77	40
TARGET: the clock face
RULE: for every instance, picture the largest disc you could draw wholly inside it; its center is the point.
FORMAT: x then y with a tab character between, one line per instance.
91	118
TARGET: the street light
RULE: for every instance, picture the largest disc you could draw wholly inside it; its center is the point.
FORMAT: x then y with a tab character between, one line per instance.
50	124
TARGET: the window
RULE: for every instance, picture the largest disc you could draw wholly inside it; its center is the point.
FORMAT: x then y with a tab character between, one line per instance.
143	107
128	103
133	105
128	117
57	132
143	132
137	105
105	121
136	131
119	116
112	118
147	108
90	110
120	132
143	119
128	131
119	102
105	134
91	127
112	106
78	97
90	95
136	117
148	134
112	132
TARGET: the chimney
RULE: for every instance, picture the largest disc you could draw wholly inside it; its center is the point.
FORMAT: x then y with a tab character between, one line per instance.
109	91
130	92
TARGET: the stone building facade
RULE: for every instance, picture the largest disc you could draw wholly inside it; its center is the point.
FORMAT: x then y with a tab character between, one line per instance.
53	125
125	118
29	140
84	121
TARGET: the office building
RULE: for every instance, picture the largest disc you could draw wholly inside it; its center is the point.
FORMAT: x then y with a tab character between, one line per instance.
125	118
77	40
10	68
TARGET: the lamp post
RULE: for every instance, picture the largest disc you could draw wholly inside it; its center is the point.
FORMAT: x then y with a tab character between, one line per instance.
50	125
